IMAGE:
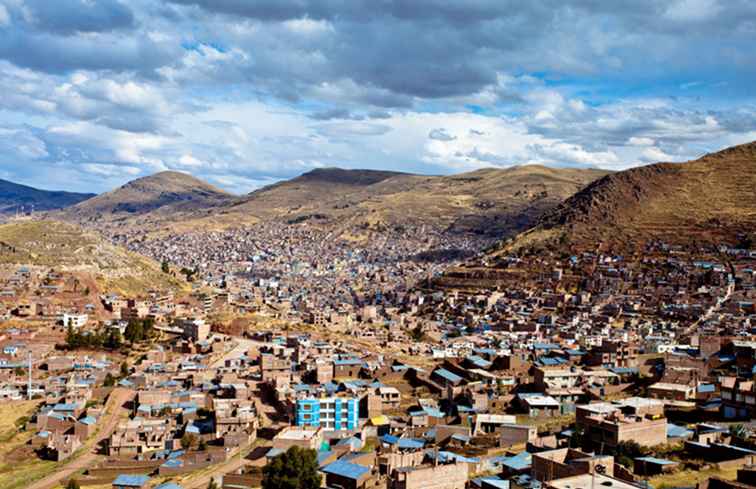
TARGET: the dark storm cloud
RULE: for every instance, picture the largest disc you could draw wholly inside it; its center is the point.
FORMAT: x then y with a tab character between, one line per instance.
72	16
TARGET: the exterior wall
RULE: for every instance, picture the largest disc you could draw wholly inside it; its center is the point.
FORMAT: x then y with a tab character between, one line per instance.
517	435
453	476
334	413
646	432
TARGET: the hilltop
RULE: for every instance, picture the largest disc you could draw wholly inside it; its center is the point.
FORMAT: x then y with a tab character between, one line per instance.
707	199
69	248
490	201
166	193
16	197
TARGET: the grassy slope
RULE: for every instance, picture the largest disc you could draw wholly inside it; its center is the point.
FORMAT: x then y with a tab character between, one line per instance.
69	248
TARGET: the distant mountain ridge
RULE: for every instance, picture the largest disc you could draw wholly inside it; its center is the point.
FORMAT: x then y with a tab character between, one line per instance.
491	201
16	197
167	192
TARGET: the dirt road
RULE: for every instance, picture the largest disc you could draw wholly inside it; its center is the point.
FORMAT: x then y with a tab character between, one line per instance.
113	412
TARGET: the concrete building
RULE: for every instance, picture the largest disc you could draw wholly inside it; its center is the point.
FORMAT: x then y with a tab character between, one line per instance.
331	413
633	419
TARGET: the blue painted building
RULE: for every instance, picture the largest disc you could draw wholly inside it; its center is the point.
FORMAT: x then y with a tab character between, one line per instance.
330	413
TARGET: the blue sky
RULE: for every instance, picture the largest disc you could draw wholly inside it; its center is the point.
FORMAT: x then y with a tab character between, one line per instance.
243	93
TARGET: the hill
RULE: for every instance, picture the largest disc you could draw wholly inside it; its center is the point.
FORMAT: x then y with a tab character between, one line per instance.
16	197
491	201
167	193
708	199
69	248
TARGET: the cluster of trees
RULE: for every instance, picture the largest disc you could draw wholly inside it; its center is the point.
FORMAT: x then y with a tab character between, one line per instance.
189	273
110	339
297	468
139	330
110	380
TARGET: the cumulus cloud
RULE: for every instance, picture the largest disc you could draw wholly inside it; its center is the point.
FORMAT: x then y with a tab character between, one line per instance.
440	134
244	93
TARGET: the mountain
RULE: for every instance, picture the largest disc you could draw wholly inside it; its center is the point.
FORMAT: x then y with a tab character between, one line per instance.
708	199
491	201
16	197
157	196
69	248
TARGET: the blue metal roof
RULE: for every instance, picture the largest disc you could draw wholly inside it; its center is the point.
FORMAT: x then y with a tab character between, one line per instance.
345	469
445	374
654	460
521	461
389	439
410	443
129	480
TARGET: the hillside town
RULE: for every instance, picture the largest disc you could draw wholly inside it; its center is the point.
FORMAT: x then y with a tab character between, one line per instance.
547	370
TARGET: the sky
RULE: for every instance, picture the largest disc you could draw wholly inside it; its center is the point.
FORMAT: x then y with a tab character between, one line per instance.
243	93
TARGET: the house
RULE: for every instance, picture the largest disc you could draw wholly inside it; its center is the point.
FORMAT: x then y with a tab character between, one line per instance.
127	481
567	462
346	475
633	419
646	466
538	405
74	321
441	476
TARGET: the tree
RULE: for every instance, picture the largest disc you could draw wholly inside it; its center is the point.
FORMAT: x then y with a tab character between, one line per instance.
124	369
113	340
188	441
297	468
212	484
73	484
109	380
165	267
202	446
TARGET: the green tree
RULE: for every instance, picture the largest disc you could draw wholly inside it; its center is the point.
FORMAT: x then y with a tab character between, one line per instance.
113	340
109	380
165	267
188	441
297	468
202	446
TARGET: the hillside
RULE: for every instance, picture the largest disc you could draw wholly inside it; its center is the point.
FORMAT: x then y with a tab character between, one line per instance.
707	199
163	194
16	197
491	201
69	248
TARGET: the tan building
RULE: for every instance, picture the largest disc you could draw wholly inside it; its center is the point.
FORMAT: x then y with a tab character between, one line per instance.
634	419
450	476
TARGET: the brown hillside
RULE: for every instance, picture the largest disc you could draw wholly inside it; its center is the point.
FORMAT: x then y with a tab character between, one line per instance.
713	197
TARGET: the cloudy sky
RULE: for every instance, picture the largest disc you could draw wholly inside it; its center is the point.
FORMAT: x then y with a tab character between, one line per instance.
246	92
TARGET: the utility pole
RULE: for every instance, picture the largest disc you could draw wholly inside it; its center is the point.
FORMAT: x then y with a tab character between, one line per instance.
29	387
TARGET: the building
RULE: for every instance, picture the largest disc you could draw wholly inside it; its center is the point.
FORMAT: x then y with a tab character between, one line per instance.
75	321
634	419
127	481
195	329
566	462
346	475
447	476
331	413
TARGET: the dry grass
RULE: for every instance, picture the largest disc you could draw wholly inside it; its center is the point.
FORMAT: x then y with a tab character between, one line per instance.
690	478
71	249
